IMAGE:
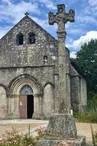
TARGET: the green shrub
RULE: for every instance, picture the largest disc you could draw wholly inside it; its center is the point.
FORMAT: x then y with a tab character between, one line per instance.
28	141
89	116
92	103
90	112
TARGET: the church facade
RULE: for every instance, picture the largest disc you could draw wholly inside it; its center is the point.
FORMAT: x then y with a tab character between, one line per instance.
29	74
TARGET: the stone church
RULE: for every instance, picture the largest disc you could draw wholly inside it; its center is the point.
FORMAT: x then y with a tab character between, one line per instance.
29	74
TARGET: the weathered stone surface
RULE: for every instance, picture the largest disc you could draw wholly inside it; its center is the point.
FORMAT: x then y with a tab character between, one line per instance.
25	64
61	127
79	141
62	124
61	18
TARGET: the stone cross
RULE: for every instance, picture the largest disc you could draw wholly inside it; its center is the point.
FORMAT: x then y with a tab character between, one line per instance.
61	18
26	14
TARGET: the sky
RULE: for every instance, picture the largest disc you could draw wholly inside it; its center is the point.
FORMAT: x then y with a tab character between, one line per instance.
82	30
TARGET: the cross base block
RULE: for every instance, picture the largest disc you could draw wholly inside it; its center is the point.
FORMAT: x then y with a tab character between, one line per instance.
79	141
61	124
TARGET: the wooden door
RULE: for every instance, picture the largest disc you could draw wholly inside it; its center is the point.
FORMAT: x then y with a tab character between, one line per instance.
23	106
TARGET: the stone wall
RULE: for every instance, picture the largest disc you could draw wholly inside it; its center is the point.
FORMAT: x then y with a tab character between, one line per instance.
78	90
83	94
25	64
43	76
12	54
75	93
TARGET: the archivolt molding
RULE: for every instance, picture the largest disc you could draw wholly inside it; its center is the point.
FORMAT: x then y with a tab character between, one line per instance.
1	85
25	79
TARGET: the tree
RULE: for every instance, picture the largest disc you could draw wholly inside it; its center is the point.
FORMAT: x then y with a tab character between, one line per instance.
87	62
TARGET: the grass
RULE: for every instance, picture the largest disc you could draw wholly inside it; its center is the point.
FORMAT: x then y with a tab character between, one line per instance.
90	112
89	117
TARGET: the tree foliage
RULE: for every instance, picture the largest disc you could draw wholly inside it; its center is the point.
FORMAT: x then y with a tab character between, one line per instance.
87	62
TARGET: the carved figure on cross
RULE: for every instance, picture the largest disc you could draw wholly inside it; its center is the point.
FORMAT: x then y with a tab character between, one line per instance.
61	17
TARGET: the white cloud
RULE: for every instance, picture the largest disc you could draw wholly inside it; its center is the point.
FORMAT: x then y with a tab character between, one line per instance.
17	11
4	30
83	39
42	23
12	13
86	19
73	54
6	1
75	31
93	2
92	7
48	3
4	18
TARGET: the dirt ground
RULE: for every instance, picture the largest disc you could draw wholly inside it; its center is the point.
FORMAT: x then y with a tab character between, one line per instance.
19	127
83	129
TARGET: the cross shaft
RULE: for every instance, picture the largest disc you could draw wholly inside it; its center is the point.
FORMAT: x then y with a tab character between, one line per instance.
61	18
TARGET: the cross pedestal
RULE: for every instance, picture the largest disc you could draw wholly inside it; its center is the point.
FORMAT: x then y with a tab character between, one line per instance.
62	130
61	127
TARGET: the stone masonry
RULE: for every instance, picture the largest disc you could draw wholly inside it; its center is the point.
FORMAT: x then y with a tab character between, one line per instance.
35	66
61	127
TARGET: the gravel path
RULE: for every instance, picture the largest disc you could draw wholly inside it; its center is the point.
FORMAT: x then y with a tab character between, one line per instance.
85	130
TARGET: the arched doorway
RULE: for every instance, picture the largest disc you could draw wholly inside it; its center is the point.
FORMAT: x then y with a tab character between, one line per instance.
26	102
17	88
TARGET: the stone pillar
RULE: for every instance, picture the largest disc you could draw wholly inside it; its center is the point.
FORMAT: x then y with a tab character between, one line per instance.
56	93
68	84
65	103
61	125
13	107
61	18
16	107
38	107
3	103
48	101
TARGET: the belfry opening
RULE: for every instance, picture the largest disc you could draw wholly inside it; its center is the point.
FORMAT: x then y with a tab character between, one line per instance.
26	102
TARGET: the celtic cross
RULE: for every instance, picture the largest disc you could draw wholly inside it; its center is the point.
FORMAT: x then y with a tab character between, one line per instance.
61	17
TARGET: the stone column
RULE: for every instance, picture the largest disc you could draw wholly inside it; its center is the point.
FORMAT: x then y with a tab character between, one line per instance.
61	19
61	125
62	69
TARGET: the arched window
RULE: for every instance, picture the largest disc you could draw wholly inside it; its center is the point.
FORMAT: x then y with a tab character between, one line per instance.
26	90
45	59
19	39
31	38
